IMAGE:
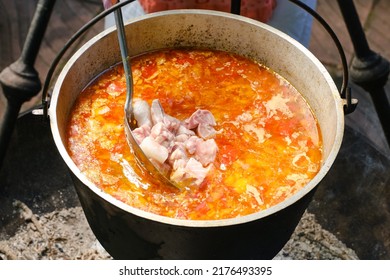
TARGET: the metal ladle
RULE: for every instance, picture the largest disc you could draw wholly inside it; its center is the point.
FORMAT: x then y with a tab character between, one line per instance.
130	122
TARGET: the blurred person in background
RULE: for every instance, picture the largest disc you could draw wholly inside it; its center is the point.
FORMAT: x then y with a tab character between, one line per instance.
281	14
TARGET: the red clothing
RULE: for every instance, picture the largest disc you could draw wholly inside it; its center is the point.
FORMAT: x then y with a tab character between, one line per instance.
257	9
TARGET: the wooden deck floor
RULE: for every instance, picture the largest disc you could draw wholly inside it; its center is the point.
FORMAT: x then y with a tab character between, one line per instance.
66	19
70	15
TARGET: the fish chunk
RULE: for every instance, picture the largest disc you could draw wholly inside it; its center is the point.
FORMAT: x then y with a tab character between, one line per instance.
156	112
154	150
193	172
203	121
140	133
206	151
183	149
192	143
162	135
141	111
178	157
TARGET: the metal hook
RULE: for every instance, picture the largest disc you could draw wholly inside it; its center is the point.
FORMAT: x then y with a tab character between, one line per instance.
345	91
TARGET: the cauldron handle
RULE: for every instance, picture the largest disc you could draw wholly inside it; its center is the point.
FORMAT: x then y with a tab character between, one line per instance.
69	43
345	91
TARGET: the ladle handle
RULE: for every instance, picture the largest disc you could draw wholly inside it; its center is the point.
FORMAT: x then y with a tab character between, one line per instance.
345	91
125	57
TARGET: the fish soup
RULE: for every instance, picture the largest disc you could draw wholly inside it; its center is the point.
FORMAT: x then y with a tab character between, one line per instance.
255	141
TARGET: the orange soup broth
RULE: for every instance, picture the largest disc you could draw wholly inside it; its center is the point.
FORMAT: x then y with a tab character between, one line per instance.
269	143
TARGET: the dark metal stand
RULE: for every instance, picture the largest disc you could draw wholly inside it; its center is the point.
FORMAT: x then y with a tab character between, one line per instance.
368	69
20	81
235	7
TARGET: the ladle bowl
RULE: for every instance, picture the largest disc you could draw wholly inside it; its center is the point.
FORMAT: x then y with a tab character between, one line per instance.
129	119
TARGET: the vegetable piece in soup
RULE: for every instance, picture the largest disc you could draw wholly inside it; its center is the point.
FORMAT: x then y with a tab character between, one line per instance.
267	144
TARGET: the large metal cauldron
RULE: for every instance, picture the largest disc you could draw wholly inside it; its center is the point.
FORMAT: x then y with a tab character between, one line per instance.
128	233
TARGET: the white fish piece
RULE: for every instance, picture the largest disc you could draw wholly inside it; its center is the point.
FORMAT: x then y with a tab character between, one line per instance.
200	117
157	112
141	110
205	131
178	154
203	121
140	133
178	175
184	131
206	151
195	170
181	138
192	143
154	150
174	146
171	123
162	135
